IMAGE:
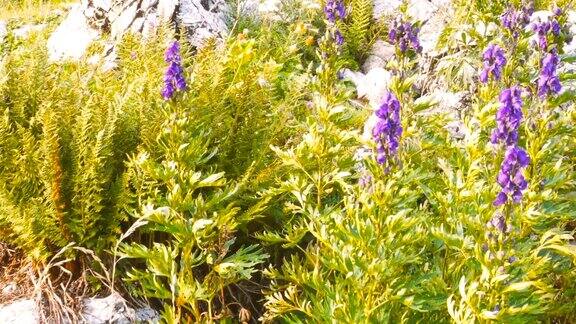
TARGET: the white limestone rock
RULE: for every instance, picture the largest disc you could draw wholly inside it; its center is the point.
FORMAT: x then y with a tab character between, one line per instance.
3	30
380	53
121	24
203	20
166	8
421	10
111	309
385	8
371	86
71	39
24	311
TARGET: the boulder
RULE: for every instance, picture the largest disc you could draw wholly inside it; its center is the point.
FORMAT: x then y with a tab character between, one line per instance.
380	53
72	37
24	311
111	19
113	309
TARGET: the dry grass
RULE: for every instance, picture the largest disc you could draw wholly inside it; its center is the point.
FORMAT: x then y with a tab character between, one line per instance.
16	274
29	10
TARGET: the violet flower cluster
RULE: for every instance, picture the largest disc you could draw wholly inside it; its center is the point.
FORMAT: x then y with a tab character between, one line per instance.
516	20
510	177
405	36
494	61
543	28
548	81
388	129
508	117
508	120
174	75
335	10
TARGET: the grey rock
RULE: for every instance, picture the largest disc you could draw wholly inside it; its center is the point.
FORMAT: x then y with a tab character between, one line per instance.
90	19
24	311
166	8
371	86
421	10
111	309
385	8
71	39
137	25
9	288
380	53
203	20
147	315
121	24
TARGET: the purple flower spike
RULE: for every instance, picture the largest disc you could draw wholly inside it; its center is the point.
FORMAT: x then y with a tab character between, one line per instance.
334	10
494	61
510	177
558	11
515	20
405	36
544	28
508	117
541	29
174	75
555	28
388	129
548	81
338	38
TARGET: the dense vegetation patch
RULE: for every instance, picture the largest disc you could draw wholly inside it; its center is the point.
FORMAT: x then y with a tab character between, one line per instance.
235	181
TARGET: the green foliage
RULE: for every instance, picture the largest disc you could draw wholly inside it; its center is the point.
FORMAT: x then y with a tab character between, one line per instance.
360	28
67	131
260	164
189	246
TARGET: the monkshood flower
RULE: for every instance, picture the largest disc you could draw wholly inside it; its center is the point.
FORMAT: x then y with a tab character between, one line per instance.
405	36
515	20
558	11
510	177
508	117
388	128
494	61
543	28
498	222
174	75
334	10
338	38
548	81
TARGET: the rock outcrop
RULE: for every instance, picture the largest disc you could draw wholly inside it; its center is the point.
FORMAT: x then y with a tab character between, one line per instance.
109	20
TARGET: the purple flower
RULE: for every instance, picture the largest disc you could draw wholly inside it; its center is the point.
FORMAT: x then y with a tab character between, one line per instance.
334	10
555	27
541	29
510	177
365	180
494	61
388	129
405	36
548	81
498	221
508	19
174	75
515	20
338	38
508	117
557	11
